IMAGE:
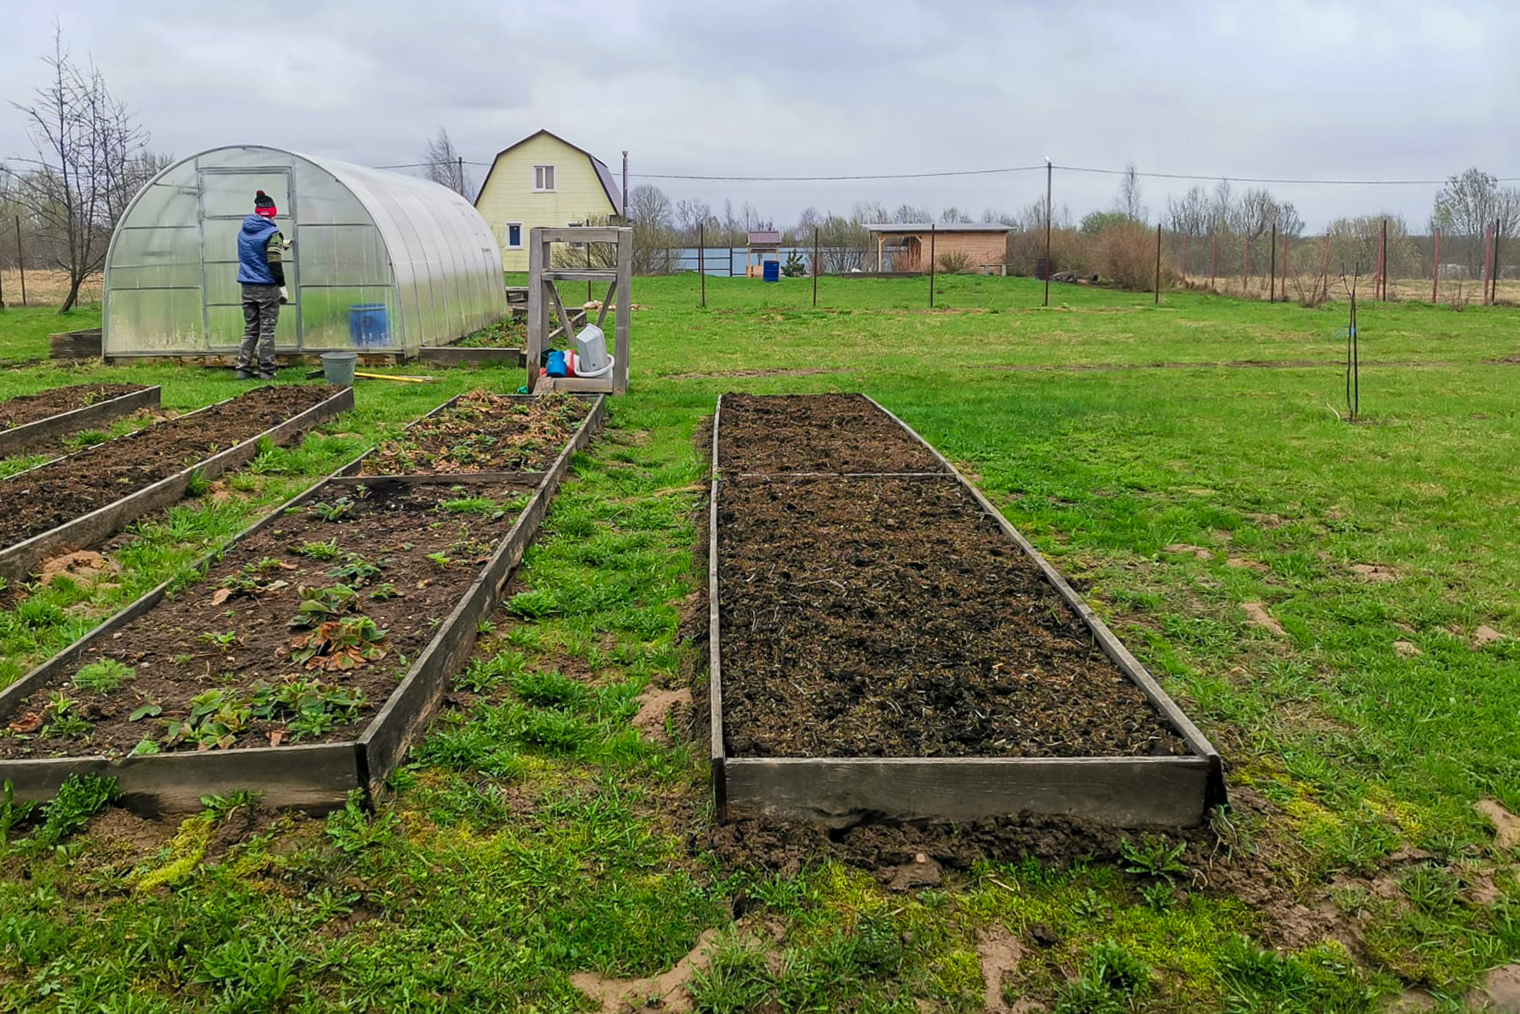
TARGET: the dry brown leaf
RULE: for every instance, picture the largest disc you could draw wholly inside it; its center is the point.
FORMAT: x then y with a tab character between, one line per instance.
276	737
30	722
220	595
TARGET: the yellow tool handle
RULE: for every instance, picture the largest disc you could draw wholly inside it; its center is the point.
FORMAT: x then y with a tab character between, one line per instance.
387	376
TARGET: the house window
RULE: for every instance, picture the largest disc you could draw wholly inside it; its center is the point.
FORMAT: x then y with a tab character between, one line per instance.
543	177
514	235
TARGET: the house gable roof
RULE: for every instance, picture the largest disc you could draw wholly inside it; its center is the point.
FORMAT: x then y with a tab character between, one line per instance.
603	174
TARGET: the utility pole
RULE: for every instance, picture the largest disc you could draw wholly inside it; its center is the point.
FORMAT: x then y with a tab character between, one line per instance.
1047	231
462	188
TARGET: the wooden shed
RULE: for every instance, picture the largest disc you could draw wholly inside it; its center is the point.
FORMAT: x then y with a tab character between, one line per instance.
907	246
762	246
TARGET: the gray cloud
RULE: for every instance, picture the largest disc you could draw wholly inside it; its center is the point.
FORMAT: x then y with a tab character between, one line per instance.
1341	88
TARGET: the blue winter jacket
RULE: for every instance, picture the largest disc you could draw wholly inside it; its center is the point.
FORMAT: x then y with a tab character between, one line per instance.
253	252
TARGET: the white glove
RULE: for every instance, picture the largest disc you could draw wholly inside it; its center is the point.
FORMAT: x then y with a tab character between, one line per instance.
284	294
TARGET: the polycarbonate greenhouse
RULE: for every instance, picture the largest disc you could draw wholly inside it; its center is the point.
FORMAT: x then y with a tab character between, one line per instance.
380	262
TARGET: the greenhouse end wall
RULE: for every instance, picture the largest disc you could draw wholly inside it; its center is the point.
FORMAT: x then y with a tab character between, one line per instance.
359	237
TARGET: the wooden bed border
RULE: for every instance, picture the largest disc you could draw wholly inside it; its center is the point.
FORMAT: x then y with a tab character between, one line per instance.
14	441
843	791
314	777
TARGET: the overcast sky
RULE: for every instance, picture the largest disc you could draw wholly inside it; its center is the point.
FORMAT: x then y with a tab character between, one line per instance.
1271	88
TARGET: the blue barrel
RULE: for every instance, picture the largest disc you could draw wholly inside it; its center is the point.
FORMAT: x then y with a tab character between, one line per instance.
773	271
369	324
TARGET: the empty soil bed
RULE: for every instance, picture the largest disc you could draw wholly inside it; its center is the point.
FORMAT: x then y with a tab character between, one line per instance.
29	408
891	617
482	432
222	654
45	497
815	433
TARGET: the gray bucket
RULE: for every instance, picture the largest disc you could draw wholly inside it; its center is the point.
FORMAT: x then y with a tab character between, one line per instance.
338	367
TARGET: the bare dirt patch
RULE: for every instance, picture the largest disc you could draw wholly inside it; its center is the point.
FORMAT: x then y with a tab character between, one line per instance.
1485	635
1191	550
1241	563
1506	824
815	433
84	568
663	992
1406	649
655	705
1257	614
1374	572
998	952
1498	992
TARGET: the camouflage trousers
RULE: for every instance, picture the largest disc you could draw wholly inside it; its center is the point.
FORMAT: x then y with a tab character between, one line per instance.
261	312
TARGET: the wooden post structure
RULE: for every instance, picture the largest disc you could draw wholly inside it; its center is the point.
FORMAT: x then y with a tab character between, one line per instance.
1285	269
1435	268
20	260
1488	240
701	261
1047	230
815	267
1383	263
1272	268
1245	270
1184	257
544	302
1324	268
1213	259
1158	263
1493	300
931	266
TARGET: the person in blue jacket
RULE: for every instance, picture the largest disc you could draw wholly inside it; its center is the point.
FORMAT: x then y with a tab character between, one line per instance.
262	275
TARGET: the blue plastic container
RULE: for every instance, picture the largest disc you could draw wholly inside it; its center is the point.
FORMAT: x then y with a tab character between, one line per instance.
369	324
773	271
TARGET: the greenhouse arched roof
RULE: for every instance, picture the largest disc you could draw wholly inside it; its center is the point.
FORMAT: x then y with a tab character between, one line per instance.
378	261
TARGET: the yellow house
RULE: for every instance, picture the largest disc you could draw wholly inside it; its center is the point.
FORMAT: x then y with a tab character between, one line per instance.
543	180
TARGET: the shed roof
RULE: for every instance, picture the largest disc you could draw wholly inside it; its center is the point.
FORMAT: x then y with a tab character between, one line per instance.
765	237
907	228
614	195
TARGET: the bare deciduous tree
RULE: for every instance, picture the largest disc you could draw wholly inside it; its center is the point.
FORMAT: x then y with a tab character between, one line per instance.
1128	202
1469	204
443	164
91	160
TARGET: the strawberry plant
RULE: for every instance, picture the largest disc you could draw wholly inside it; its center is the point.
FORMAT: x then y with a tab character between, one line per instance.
356	571
214	720
310	707
321	604
345	643
331	511
318	550
63	717
383	592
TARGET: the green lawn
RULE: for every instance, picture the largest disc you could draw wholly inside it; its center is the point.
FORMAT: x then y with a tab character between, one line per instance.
535	834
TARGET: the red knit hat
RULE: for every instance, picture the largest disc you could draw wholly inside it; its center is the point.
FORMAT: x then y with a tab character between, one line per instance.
263	205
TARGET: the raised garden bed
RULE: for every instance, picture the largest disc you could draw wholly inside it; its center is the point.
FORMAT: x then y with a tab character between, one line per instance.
888	646
34	419
481	432
258	709
77	501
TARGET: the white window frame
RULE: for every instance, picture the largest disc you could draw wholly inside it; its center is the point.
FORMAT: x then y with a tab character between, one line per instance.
544	173
506	235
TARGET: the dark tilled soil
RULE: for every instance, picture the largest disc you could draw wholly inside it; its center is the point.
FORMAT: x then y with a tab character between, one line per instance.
507	333
45	497
483	432
874	617
397	526
31	407
814	433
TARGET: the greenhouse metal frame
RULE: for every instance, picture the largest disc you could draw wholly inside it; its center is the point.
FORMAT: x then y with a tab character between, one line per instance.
380	263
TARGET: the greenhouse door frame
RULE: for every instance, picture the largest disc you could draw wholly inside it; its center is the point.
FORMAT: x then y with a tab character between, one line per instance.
292	265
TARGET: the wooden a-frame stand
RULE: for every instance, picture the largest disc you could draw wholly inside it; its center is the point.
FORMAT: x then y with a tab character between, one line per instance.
544	304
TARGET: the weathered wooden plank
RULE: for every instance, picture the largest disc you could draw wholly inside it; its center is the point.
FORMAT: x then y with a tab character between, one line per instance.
580	276
16	561
1101	634
317	777
580	234
714	631
842	792
451	355
624	311
415	701
576	385
13	441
